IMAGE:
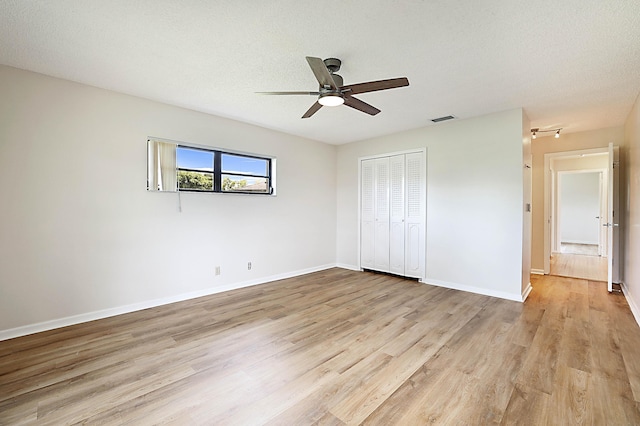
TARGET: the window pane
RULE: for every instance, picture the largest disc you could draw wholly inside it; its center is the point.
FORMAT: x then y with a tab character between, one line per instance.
194	159
195	181
242	165
231	183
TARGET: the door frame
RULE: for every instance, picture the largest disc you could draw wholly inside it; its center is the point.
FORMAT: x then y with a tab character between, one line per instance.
613	221
549	202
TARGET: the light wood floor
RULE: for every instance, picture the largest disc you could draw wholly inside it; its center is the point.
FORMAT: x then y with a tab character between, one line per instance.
338	347
572	248
579	266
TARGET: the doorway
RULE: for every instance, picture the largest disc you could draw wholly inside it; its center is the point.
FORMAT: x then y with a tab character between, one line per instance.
580	209
576	197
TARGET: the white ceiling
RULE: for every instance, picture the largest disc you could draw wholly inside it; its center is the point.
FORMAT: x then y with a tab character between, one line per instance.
572	63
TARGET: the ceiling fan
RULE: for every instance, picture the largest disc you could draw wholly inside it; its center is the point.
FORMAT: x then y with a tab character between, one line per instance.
333	92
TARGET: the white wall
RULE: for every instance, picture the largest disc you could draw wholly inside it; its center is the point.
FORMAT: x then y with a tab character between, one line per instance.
631	204
81	236
474	201
579	206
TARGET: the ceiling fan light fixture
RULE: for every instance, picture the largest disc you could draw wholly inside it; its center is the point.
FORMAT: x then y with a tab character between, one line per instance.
330	99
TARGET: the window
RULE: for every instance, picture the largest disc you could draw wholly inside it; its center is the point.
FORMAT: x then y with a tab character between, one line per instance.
195	169
241	173
219	171
178	167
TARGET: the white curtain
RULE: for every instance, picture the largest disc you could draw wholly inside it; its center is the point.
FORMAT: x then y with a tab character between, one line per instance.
162	175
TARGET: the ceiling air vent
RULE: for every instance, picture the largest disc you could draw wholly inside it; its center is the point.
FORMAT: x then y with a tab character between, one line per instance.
445	118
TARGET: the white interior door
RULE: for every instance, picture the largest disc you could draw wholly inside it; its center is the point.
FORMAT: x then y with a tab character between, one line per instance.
616	215
609	224
612	219
602	240
367	213
415	214
393	213
381	226
396	219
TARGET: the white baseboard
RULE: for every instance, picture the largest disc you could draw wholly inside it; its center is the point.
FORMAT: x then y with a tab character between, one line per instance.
537	271
526	292
583	242
105	313
349	267
477	290
635	310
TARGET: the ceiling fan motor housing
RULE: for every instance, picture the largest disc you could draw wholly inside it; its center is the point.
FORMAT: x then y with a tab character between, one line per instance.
332	64
338	80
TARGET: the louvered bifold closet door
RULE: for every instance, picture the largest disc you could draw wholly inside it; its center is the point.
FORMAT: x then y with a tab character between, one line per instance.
396	210
367	213
415	213
381	227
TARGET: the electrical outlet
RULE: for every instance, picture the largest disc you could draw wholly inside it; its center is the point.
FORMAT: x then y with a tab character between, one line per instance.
217	270
249	266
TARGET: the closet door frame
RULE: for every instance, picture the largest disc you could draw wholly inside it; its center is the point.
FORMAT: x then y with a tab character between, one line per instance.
422	151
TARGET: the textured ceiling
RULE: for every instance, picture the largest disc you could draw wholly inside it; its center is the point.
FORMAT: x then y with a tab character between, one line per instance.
573	63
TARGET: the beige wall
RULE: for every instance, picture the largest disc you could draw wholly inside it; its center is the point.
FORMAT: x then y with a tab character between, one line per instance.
548	144
82	238
590	162
631	204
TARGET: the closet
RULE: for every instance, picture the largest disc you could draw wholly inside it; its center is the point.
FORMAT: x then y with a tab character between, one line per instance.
393	212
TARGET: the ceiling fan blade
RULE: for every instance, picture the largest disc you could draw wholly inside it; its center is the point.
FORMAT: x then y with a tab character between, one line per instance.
373	86
321	72
288	93
314	108
352	102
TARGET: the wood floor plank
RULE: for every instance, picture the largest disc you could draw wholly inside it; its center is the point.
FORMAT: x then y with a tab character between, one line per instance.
315	408
495	381
526	325
411	392
338	347
578	306
570	400
605	345
575	346
277	401
610	403
444	401
629	340
539	369
379	387
527	407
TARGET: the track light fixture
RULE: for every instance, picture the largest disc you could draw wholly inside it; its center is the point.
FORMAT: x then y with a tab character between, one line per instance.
534	132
